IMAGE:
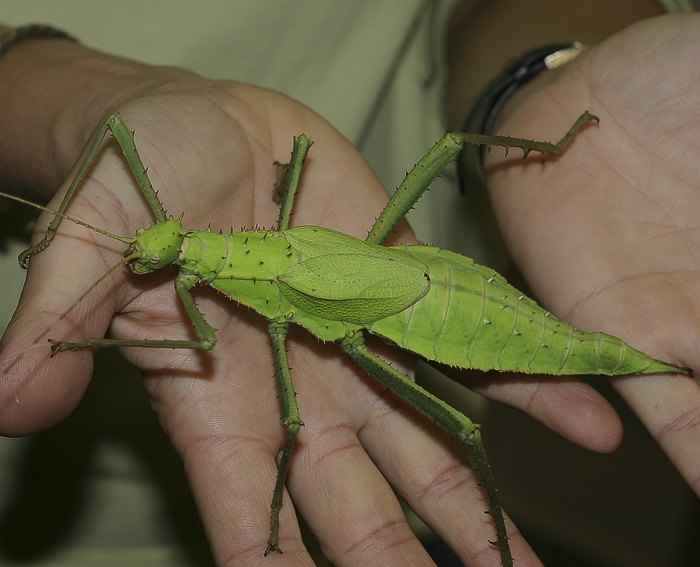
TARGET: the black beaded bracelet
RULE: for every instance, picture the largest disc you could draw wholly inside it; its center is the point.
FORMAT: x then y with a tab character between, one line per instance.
14	36
482	117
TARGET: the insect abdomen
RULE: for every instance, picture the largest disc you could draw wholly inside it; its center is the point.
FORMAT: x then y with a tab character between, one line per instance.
472	318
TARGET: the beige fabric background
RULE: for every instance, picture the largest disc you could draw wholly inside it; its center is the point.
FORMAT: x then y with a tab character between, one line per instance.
373	68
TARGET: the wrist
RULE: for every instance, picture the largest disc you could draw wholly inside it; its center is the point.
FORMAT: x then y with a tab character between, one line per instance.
57	93
474	57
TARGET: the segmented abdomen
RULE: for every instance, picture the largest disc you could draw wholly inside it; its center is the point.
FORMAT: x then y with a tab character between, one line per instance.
472	318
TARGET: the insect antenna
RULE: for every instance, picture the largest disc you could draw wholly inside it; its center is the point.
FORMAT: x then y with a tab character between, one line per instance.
124	239
72	306
82	296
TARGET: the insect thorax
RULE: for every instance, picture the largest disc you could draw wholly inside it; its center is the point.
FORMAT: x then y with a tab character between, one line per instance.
255	255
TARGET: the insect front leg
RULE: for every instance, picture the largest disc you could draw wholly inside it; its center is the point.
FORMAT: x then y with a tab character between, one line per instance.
287	188
125	139
454	422
290	420
206	334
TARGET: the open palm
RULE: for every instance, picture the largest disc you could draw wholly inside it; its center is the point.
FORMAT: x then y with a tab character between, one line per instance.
608	236
210	149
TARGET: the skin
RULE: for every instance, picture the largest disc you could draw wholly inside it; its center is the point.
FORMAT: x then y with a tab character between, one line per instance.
619	231
221	410
616	234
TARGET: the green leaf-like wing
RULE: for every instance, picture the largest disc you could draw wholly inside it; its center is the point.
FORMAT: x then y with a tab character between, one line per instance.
354	287
343	278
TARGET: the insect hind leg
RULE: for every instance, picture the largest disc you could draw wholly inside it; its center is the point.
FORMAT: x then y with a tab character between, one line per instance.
445	150
454	422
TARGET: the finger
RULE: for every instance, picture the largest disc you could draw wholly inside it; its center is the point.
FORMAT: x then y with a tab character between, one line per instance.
566	405
232	476
432	474
669	406
37	390
352	509
224	420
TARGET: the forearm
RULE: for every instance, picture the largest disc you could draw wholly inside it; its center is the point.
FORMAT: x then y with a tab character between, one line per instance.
55	92
484	35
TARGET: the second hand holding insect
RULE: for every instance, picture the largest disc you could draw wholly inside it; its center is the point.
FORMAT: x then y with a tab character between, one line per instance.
608	238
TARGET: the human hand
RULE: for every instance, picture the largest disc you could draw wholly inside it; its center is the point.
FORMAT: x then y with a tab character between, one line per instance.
605	235
210	149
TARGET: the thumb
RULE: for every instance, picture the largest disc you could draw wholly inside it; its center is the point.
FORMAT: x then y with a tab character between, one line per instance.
36	389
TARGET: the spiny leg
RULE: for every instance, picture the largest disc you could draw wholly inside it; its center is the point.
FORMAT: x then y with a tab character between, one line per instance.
290	181
285	190
440	155
291	421
456	423
125	139
206	334
407	194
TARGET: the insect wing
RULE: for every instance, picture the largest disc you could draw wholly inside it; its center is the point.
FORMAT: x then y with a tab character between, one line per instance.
313	241
353	287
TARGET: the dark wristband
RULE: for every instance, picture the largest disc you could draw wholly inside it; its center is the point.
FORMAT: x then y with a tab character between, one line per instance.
14	36
484	112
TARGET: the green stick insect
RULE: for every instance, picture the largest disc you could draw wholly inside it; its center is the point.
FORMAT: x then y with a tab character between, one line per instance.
433	302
